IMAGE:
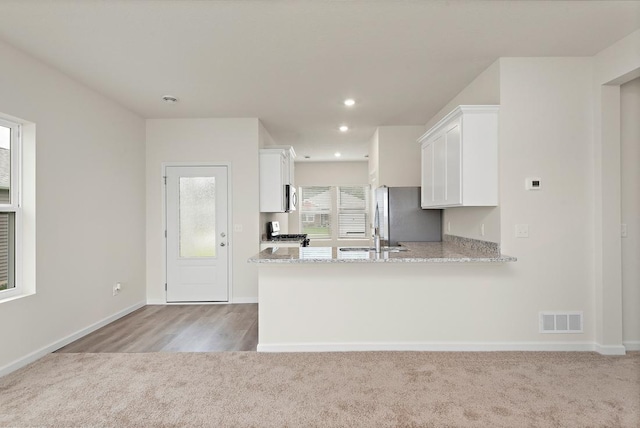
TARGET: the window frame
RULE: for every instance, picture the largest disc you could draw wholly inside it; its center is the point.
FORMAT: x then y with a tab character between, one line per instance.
334	213
350	211
320	212
15	206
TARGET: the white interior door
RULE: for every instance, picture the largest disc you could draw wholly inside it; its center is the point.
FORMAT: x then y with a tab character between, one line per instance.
197	244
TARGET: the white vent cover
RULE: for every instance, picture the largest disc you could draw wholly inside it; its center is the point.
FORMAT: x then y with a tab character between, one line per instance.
560	322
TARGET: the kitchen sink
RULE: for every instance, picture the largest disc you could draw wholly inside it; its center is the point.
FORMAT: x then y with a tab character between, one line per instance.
388	249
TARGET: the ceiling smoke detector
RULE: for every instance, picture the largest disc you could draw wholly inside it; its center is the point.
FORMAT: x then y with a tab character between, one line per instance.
169	99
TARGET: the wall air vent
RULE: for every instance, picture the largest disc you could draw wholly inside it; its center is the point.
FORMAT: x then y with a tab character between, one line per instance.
561	322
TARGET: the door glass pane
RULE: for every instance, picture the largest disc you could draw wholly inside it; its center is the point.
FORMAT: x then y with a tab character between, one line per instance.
5	164
197	217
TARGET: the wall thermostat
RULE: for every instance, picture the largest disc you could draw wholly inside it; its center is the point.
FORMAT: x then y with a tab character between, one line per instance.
533	183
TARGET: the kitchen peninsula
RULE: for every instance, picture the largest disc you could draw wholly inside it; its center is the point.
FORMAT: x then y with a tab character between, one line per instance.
332	299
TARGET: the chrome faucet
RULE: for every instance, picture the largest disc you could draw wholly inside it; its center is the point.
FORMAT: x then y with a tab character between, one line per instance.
376	231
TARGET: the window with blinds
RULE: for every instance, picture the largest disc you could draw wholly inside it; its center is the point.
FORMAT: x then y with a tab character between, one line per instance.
9	139
328	212
353	203
315	211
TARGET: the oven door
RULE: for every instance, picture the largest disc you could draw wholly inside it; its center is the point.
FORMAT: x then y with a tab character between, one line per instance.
291	198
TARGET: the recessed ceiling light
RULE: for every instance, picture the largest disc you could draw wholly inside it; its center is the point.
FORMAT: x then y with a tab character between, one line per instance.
170	99
337	154
344	128
349	102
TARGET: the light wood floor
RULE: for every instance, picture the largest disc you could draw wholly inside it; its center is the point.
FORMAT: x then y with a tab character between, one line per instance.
176	328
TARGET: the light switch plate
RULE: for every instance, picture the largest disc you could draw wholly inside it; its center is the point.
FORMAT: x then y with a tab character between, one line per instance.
522	230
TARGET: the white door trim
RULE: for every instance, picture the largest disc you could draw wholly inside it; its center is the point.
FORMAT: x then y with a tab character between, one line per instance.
231	241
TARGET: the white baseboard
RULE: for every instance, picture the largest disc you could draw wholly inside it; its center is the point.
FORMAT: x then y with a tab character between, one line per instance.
244	300
234	301
610	349
36	355
632	345
433	347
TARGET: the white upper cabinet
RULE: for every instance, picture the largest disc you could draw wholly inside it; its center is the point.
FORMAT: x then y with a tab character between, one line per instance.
460	159
276	171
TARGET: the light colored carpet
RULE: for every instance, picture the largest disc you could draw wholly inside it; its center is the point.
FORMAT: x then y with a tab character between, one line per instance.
368	389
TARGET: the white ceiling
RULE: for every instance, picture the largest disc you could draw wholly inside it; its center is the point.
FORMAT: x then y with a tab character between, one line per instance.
292	63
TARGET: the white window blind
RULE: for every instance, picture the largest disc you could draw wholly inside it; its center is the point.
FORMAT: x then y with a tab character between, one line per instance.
334	212
316	253
315	211
353	203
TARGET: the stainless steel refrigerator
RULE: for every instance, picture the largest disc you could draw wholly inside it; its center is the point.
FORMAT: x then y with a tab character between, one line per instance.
399	217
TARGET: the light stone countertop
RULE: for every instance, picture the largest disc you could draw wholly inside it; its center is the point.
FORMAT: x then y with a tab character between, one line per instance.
452	250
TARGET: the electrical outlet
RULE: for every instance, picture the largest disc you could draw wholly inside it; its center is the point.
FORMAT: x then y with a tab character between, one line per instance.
116	288
522	230
482	229
623	230
448	226
237	228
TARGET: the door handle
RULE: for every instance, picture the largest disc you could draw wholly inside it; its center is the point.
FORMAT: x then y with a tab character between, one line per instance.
223	234
222	244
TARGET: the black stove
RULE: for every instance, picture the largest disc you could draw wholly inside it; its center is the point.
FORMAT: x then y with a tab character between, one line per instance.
292	236
273	234
302	237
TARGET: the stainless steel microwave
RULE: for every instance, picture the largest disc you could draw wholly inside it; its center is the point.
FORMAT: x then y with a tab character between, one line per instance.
290	198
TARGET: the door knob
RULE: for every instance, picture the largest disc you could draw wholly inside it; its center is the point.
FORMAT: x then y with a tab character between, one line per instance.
222	244
223	234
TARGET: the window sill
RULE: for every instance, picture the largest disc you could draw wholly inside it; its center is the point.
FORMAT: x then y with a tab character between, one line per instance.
13	297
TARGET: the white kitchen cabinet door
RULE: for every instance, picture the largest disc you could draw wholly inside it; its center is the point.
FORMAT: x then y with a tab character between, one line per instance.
439	169
276	171
453	181
460	159
272	176
290	155
427	179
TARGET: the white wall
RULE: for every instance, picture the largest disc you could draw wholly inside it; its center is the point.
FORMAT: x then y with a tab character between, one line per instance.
373	161
206	140
90	208
613	66
399	162
330	173
467	221
630	182
546	131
